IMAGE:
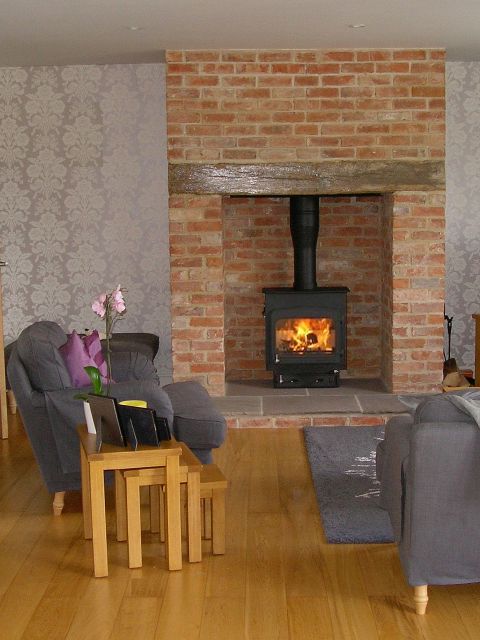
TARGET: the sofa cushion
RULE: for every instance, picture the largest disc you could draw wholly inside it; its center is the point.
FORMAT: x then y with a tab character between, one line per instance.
38	348
196	421
79	352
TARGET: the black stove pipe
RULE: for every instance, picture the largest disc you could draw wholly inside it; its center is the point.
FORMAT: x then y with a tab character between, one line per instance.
304	225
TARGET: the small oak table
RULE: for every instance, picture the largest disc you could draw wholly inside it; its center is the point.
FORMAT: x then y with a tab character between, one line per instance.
114	458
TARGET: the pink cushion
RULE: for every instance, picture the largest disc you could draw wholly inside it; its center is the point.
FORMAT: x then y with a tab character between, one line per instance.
79	352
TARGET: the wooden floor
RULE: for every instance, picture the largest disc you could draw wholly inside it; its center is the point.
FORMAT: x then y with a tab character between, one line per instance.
278	579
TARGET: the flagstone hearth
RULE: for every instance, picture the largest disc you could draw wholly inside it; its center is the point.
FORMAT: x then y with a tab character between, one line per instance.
255	403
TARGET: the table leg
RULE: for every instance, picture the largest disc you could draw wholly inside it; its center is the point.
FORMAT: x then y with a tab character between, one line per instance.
161	519
134	522
99	525
173	519
194	517
218	521
86	501
154	490
120	506
207	519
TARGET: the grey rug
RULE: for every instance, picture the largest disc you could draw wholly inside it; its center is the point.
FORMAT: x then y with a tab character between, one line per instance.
342	462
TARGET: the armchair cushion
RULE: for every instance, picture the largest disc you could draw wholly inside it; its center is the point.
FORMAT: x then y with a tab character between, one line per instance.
129	365
38	348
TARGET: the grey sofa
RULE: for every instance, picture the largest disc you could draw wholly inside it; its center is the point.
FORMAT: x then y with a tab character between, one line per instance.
50	412
429	469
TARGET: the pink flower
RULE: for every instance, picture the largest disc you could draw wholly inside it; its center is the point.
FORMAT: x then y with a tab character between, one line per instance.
99	305
118	300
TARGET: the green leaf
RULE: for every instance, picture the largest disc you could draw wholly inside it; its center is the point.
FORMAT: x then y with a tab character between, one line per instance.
95	378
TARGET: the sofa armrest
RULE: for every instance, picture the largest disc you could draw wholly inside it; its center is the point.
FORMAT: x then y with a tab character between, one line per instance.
442	504
391	453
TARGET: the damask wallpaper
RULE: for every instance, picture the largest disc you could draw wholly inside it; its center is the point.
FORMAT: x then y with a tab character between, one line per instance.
463	206
83	196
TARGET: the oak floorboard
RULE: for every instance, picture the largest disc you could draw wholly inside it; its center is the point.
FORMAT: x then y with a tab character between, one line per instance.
56	610
181	611
100	604
222	618
278	579
136	618
21	539
467	602
34	575
300	519
309	619
227	573
266	603
442	618
350	611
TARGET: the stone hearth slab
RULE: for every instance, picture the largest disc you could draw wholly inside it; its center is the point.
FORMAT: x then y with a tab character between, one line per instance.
380	404
260	388
240	405
297	405
258	403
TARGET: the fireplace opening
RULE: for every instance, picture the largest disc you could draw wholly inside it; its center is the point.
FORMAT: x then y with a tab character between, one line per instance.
305	326
300	335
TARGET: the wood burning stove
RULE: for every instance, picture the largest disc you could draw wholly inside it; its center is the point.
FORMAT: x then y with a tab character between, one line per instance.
305	326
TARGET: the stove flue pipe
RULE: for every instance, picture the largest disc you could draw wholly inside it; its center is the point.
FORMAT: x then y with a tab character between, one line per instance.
304	225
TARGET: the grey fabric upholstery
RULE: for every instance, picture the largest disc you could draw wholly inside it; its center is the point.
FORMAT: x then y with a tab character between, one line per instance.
50	413
38	350
196	420
389	467
439	408
430	479
146	343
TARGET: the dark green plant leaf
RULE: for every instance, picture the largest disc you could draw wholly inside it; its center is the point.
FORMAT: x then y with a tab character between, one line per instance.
95	378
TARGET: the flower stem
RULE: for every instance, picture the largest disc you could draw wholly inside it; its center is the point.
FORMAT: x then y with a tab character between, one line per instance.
108	323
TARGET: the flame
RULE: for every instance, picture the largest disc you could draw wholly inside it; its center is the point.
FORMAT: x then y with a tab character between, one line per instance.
305	334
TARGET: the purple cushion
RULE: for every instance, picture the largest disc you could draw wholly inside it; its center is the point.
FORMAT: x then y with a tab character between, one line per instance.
80	352
94	348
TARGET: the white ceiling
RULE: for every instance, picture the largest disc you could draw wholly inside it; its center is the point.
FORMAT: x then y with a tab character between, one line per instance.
58	32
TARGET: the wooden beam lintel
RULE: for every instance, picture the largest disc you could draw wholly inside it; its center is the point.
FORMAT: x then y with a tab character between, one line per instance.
322	178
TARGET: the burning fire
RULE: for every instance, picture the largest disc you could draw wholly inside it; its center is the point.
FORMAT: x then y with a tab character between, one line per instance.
305	334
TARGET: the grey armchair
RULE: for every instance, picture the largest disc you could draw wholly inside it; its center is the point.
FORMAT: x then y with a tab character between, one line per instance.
429	469
50	413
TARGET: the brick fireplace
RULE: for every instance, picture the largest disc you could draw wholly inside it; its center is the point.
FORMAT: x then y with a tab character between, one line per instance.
363	130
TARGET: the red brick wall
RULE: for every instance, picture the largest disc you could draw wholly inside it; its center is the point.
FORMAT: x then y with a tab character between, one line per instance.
273	106
258	253
418	284
387	293
277	106
197	287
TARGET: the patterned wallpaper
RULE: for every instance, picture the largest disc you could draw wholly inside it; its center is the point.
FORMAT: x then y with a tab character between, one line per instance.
463	206
83	196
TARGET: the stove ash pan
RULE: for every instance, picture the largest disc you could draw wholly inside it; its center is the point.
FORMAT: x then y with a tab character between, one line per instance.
305	336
